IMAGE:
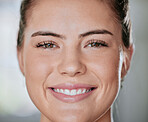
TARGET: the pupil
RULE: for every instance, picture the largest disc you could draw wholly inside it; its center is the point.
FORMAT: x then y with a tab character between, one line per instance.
49	45
95	44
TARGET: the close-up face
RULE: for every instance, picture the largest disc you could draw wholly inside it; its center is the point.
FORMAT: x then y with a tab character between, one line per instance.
72	59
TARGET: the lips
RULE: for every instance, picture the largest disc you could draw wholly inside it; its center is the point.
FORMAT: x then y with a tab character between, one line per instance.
71	92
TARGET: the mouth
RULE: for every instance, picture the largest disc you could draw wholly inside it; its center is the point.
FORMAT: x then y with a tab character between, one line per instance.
71	93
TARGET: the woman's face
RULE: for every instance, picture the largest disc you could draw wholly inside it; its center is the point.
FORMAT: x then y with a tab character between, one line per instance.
72	59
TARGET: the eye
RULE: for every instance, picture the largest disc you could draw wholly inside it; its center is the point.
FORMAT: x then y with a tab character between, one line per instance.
96	43
47	44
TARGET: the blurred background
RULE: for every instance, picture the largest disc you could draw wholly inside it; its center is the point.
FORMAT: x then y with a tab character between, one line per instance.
15	104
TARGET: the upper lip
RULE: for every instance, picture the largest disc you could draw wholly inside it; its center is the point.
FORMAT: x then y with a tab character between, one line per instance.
72	86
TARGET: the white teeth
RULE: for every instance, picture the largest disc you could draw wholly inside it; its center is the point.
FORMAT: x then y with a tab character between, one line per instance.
79	91
72	92
58	90
83	91
87	90
67	92
61	90
55	90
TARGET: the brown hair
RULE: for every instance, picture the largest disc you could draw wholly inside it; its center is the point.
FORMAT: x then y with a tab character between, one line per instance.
25	9
119	7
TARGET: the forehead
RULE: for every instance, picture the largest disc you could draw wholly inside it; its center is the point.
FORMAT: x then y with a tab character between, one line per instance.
72	7
72	14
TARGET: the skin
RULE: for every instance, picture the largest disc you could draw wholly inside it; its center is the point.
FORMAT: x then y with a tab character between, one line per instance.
72	59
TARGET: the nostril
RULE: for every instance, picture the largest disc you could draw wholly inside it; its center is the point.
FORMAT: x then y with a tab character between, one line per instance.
70	73
77	72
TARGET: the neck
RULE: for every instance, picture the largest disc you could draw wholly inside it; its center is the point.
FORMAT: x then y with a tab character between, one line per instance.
107	117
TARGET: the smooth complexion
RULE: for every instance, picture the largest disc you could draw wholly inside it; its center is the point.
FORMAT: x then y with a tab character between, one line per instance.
73	44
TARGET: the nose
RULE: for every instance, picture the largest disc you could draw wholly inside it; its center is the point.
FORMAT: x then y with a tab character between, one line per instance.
71	65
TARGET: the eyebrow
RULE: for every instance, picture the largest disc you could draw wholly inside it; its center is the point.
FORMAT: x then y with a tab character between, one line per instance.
95	32
49	33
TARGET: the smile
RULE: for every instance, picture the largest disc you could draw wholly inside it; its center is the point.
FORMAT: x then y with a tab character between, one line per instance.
71	92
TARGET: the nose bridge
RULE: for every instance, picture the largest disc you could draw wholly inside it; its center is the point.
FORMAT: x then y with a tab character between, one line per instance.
70	63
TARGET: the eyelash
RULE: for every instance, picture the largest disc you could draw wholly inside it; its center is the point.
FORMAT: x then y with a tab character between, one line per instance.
96	43
91	43
47	44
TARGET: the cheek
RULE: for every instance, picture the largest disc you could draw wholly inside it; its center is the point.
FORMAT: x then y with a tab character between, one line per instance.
37	69
106	68
38	65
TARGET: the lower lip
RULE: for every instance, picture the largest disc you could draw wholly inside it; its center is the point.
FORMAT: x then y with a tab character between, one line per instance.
68	98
